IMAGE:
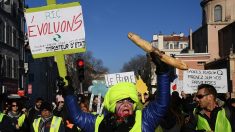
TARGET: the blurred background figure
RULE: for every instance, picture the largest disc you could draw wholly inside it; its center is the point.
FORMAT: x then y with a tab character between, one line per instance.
5	123
34	112
47	122
17	117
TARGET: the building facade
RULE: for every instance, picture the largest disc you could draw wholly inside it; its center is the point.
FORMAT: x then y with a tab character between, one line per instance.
12	38
215	37
216	14
170	44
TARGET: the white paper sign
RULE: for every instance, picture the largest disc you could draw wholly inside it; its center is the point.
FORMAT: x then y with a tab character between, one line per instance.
55	30
115	78
192	78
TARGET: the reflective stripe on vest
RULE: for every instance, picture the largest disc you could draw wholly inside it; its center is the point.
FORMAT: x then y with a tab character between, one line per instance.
221	125
21	120
55	124
135	128
1	117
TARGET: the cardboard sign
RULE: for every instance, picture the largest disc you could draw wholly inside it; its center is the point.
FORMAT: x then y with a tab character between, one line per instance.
192	78
115	78
57	28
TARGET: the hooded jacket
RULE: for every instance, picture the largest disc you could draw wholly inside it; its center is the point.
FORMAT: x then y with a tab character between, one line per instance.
151	115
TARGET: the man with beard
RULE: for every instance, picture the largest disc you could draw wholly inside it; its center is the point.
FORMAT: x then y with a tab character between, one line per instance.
34	112
120	103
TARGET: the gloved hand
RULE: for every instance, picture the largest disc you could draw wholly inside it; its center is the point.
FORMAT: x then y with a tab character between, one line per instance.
161	67
66	90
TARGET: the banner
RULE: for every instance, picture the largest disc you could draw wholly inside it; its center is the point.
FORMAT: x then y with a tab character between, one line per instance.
115	78
217	78
55	30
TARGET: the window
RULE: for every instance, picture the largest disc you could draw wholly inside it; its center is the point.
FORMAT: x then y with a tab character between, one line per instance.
181	46
201	62
2	27
14	39
176	45
171	46
8	35
9	67
15	69
3	66
218	13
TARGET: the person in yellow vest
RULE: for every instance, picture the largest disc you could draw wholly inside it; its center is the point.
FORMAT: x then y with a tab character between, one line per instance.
208	116
17	117
47	122
120	105
4	123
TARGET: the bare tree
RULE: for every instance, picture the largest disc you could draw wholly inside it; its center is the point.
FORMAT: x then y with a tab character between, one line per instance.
141	66
94	69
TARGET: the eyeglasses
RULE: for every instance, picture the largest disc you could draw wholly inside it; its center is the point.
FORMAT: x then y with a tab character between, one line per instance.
61	102
13	105
200	96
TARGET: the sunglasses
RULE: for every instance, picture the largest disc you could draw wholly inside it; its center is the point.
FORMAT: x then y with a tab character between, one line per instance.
200	96
61	102
13	105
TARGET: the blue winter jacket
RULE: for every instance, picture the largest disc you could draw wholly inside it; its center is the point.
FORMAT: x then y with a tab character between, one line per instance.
151	115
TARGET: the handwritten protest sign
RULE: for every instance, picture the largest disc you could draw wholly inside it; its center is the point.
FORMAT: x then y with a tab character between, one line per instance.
60	29
56	30
115	78
192	78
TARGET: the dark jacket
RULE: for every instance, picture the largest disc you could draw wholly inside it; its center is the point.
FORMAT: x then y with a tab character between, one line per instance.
34	113
5	124
151	115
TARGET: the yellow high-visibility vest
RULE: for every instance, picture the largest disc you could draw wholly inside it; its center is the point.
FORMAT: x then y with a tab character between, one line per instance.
222	124
55	124
1	116
21	120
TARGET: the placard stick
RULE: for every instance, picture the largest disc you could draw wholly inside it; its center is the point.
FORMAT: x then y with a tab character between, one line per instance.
59	58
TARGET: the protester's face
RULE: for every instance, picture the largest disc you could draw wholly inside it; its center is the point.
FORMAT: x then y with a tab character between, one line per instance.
38	103
146	96
95	101
233	105
61	103
124	107
14	107
45	113
83	107
203	98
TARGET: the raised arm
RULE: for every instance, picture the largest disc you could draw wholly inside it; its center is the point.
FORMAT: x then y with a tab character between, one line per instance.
83	120
156	109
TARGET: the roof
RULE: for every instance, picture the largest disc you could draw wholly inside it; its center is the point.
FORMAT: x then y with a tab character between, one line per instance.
175	38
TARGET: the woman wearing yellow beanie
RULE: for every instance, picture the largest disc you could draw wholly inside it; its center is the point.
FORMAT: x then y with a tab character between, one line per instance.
120	102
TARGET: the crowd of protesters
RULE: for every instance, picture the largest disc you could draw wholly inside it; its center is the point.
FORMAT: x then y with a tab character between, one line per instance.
204	111
182	115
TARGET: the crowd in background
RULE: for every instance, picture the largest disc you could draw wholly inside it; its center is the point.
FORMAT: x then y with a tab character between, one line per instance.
180	111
